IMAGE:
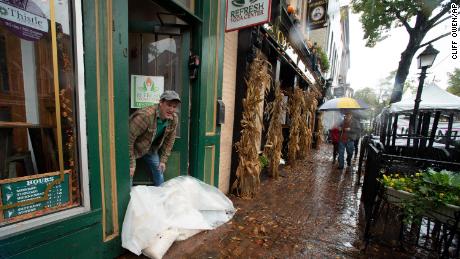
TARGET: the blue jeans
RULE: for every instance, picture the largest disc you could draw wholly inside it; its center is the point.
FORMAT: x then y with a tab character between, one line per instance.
349	146
153	161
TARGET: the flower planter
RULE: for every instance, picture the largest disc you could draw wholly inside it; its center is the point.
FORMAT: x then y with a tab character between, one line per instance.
397	196
444	213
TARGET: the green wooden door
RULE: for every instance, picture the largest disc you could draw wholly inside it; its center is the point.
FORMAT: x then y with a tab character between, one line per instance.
159	45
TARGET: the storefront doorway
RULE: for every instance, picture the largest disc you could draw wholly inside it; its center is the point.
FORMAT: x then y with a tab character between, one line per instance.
159	47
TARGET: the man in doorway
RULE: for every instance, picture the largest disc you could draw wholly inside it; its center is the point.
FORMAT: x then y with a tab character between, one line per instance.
349	132
152	132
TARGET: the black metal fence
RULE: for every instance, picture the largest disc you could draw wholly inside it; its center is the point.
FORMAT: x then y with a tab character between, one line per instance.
378	159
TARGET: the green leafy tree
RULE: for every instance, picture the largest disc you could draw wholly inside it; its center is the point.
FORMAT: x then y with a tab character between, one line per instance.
454	82
369	96
418	17
323	59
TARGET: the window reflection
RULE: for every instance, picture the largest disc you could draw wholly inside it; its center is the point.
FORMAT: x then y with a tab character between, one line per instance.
157	55
28	122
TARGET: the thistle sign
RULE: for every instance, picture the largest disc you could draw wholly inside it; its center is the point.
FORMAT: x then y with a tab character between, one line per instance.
245	13
23	18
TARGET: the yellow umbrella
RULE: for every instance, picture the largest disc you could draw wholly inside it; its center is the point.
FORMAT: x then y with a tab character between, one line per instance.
343	103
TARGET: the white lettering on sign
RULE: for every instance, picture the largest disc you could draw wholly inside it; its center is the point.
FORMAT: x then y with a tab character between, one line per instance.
40	181
22	17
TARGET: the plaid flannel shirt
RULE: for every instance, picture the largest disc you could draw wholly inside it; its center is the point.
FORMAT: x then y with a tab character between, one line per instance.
142	130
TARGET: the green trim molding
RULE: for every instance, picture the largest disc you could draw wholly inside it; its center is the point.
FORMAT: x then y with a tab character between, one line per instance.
209	44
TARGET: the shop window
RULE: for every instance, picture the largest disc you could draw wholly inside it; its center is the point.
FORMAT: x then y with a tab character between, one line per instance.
39	169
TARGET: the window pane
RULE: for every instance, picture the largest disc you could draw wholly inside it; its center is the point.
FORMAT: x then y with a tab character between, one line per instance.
157	55
29	127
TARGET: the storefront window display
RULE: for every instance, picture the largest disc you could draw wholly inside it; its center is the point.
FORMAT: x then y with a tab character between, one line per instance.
39	158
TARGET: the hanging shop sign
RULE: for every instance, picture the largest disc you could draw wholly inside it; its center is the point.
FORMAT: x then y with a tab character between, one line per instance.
317	14
245	13
146	90
24	18
339	91
291	53
31	189
309	75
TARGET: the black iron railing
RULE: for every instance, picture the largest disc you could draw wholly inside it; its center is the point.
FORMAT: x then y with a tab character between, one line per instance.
380	159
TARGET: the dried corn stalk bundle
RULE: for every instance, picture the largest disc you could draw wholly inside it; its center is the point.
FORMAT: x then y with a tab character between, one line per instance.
311	100
258	81
319	132
304	132
295	110
316	90
275	132
310	108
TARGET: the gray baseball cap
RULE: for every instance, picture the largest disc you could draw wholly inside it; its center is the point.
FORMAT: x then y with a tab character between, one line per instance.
170	95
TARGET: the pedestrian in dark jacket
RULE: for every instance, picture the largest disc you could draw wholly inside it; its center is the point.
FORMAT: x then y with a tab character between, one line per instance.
349	132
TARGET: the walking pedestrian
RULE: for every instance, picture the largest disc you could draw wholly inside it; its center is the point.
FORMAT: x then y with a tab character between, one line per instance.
152	132
349	132
334	134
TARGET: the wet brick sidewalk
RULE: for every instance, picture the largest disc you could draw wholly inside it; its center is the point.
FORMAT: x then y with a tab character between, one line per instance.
311	211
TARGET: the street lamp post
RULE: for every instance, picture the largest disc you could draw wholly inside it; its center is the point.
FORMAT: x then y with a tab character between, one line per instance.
424	61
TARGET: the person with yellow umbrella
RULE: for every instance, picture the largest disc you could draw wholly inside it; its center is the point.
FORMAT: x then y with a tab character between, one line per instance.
350	129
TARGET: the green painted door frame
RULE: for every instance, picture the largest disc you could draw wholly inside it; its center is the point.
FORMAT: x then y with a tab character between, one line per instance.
208	42
178	160
97	233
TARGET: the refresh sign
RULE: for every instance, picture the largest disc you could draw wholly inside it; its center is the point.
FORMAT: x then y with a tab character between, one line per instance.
246	13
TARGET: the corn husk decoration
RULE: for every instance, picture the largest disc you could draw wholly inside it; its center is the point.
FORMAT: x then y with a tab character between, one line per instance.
315	95
305	131
295	111
275	138
319	131
311	104
258	81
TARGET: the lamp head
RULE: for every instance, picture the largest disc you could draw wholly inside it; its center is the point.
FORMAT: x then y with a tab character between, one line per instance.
427	57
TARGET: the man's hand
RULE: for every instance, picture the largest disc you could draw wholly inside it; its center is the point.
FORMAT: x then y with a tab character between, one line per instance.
131	171
162	167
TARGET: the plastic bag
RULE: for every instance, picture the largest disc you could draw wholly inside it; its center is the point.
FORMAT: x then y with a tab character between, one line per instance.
177	210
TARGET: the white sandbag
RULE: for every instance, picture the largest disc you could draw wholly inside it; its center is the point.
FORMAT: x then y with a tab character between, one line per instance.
159	244
178	209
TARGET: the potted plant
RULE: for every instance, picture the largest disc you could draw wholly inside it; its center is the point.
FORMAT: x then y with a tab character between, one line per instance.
263	161
430	193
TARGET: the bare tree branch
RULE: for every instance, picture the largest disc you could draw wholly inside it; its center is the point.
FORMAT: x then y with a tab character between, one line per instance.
431	23
404	21
433	40
440	21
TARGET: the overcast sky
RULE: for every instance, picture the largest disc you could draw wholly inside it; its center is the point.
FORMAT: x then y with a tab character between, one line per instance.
370	65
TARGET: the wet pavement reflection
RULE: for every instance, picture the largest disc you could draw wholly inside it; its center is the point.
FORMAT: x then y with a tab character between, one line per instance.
312	210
